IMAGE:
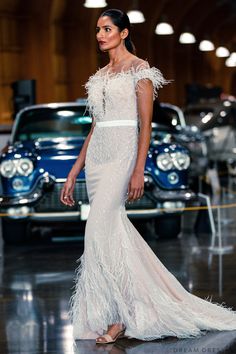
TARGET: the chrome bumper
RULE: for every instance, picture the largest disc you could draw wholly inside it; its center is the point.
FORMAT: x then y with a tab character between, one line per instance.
168	207
76	215
180	195
34	206
28	198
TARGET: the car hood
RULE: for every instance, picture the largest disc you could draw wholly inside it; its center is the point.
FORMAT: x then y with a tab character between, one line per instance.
55	156
46	147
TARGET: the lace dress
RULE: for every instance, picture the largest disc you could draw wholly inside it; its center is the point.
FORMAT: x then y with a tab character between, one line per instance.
119	278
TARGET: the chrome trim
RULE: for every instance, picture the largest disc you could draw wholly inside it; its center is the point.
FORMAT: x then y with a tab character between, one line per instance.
24	200
144	213
56	215
174	195
27	197
62	180
37	193
148	213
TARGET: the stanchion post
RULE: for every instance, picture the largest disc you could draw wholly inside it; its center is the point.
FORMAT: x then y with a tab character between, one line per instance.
207	201
225	220
206	198
220	249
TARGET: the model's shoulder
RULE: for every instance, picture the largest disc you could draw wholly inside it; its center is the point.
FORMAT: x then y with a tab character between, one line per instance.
102	71
96	76
139	64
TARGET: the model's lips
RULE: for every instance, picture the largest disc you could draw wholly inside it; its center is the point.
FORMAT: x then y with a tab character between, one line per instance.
101	42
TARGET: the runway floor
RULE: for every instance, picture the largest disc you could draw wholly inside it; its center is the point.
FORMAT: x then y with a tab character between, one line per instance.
36	281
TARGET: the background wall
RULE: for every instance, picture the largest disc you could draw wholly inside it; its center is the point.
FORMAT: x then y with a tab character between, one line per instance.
53	41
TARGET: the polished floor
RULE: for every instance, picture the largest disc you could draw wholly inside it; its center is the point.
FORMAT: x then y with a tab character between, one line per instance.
36	281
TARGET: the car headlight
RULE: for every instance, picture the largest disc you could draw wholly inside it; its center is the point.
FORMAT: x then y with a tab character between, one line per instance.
22	167
181	160
178	160
8	168
164	162
25	167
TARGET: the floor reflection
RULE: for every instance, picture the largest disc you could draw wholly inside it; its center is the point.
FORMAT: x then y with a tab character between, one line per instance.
32	322
36	284
34	313
216	343
23	324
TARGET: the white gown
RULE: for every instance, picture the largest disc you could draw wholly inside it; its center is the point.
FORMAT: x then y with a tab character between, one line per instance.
119	278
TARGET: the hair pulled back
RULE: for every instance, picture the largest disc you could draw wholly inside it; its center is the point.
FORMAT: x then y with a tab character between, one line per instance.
121	20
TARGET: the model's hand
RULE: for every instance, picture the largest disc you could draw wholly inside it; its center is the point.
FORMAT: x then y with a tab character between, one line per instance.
136	186
67	192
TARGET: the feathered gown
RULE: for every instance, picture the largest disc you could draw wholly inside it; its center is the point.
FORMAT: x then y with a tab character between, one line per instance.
119	278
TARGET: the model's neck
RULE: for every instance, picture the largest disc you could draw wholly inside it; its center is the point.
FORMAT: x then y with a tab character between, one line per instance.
117	55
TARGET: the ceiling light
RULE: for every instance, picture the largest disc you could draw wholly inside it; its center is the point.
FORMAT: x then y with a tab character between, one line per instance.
233	56
187	38
95	3
222	52
136	16
231	61
206	45
164	28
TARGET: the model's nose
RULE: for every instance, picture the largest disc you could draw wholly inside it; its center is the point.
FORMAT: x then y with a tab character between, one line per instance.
99	37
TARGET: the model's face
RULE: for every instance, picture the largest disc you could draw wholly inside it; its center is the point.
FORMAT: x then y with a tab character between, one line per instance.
108	35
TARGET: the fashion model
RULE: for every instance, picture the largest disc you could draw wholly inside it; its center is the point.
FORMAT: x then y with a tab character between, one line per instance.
121	286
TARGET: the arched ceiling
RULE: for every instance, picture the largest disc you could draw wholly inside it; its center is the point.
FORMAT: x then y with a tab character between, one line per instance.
215	18
54	39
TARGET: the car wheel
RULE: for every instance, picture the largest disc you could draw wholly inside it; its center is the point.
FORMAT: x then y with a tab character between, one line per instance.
168	226
14	231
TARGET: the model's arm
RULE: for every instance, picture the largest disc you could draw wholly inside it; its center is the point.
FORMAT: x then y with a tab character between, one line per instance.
145	108
80	161
68	188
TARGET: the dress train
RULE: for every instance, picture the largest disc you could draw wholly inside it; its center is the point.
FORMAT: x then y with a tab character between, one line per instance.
120	279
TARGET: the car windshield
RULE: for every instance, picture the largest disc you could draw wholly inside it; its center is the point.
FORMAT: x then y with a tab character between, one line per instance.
165	116
47	123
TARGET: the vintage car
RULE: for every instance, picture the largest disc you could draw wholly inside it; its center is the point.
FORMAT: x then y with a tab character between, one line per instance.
216	119
45	142
170	122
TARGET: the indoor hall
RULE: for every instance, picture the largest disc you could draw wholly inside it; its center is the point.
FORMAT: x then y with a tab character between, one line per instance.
63	279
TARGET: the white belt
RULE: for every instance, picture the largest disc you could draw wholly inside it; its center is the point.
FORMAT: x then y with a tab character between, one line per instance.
117	122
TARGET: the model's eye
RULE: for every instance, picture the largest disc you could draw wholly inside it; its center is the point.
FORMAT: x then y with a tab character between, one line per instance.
107	29
97	29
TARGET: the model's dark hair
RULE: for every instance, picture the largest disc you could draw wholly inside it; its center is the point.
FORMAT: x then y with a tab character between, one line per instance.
121	20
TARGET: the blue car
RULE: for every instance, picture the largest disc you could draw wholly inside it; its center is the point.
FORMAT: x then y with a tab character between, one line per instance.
44	144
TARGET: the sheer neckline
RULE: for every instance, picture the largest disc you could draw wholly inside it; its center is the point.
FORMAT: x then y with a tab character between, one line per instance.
131	70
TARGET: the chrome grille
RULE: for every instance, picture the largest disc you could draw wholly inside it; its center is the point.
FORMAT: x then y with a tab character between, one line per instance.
51	200
143	203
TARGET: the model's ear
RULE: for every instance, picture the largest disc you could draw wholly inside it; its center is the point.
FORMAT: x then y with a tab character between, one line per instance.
124	33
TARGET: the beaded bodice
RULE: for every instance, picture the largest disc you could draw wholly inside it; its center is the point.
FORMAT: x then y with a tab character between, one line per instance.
112	99
112	96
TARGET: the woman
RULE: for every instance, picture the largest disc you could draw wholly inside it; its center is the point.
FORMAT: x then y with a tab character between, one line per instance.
121	286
